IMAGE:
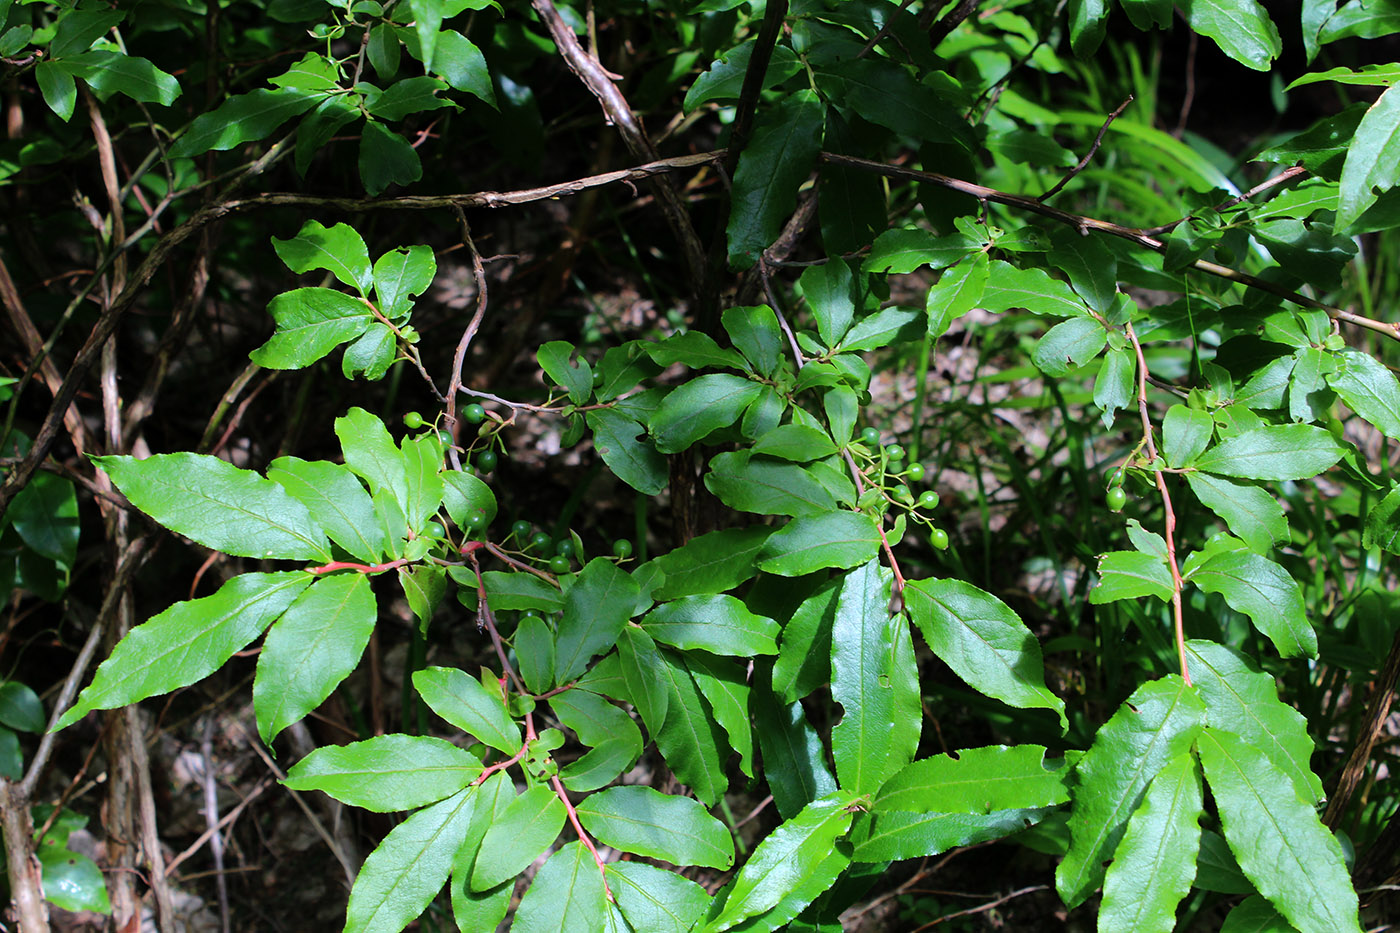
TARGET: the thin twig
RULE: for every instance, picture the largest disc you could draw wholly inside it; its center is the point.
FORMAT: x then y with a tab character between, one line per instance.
778	310
1286	175
992	905
211	820
459	359
194	847
1088	156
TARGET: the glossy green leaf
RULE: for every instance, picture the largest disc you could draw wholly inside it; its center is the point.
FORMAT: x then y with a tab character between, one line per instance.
724	79
336	500
1370	75
80	27
422	457
317	127
338	250
656	900
400	274
408	96
576	378
461	64
1281	844
1289	451
1033	289
424	586
1154	865
72	881
464	496
1069	345
311	649
983	641
372	353
1256	915
712	563
311	322
861	675
386	773
45	516
614	740
879	330
595	608
755	333
1242	29
245	118
220	506
1088	19
804	545
905	249
427	21
372	454
1373	159
804	648
888	94
691	741
464	702
632	458
534	653
642	669
978	780
408	869
188	641
799	443
1265	592
716	623
778	158
1131	575
1092	267
386	158
1382	527
694	349
58	87
20	708
1249	512
785	861
1369	388
830	292
698	407
1148	13
1156	724
1185	435
482	910
565	896
382	49
109	72
724	685
957	291
794	756
1242	699
527	826
896	835
768	487
644	821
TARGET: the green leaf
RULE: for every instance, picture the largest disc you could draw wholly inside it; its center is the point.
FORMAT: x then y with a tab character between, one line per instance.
1069	345
850	202
372	454
401	274
1369	75
768	487
861	680
693	349
1372	159
646	822
1241	28
983	641
619	441
45	516
576	378
712	563
879	330
220	506
1113	389
336	500
1249	512
484	910
311	322
897	835
785	863
794	757
422	456
690	740
188	641
427	21
1011	287
20	708
799	443
596	607
978	780
888	94
461	64
1091	266
1131	575
702	405
957	291
108	72
339	250
656	900
1154	865
1148	13
615	740
778	159
566	895
383	48
835	539
1369	388
642	668
411	95
1243	700
905	249
386	773
72	881
79	28
57	85
464	495
724	79
1088	19
534	650
465	703
1256	915
755	333
1278	839
386	158
1185	435
1382	527
831	297
1290	451
1156	724
372	353
804	649
724	685
716	623
311	649
317	127
403	875
1265	592
528	825
245	118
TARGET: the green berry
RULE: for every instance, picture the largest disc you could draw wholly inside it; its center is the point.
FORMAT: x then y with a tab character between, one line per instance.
622	548
928	499
559	564
412	420
938	538
564	548
915	473
434	530
486	461
540	541
870	437
894	452
476	521
520	530
474	413
1116	499
895	466
446	437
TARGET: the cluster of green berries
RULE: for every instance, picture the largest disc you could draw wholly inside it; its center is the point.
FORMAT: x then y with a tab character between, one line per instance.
486	460
558	556
894	468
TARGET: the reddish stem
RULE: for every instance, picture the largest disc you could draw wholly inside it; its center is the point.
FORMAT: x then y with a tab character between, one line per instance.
359	568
